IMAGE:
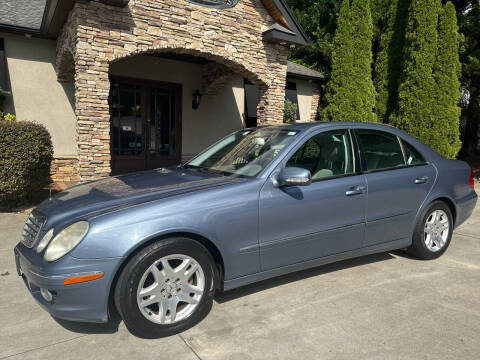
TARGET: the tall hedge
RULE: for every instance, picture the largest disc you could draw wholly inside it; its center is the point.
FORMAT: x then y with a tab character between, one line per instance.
388	64
362	33
446	72
416	97
339	108
25	156
350	92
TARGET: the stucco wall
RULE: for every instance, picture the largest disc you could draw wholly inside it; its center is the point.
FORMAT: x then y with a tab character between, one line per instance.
304	95
217	115
36	93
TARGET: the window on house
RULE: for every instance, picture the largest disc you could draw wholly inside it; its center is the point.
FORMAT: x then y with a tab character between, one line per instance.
291	94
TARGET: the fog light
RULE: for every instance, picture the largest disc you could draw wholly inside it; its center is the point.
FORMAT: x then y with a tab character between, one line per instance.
47	295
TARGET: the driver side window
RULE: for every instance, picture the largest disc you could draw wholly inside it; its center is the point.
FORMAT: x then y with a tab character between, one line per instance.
325	155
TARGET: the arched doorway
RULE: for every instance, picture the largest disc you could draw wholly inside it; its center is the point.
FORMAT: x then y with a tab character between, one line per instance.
167	106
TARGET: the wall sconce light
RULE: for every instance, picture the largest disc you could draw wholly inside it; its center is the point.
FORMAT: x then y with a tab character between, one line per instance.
196	99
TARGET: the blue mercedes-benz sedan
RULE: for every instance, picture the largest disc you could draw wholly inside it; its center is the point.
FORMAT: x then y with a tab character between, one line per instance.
259	203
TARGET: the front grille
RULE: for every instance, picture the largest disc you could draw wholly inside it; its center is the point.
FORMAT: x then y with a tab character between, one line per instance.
32	228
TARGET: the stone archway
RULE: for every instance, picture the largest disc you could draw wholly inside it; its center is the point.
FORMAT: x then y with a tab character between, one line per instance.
96	38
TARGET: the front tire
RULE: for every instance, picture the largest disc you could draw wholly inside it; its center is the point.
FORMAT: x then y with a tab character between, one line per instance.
433	232
166	288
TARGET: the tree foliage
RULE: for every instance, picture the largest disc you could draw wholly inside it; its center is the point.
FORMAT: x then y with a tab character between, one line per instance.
446	72
319	20
468	14
429	88
415	111
413	46
388	64
350	92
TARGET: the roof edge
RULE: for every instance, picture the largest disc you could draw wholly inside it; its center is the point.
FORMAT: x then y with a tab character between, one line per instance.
300	37
298	71
54	16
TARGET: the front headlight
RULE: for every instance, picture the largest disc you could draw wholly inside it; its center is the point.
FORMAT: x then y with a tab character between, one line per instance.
66	240
44	242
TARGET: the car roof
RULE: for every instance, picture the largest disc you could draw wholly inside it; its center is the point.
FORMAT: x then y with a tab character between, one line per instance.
313	126
319	125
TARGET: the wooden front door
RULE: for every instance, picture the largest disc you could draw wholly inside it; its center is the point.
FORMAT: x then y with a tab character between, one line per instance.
146	123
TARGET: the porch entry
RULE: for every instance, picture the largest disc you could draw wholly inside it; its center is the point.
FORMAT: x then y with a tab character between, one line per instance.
145	124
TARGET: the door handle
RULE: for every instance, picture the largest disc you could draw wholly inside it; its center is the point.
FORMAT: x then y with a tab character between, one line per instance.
355	190
421	180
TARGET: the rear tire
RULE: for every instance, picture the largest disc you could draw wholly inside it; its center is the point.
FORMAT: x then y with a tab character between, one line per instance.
166	288
433	232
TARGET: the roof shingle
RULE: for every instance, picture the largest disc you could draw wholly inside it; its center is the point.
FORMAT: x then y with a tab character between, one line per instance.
22	13
297	70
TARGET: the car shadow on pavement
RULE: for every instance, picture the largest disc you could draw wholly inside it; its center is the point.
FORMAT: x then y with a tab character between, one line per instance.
109	327
246	290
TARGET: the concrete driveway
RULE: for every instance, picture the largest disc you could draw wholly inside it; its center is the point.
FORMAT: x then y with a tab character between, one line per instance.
385	306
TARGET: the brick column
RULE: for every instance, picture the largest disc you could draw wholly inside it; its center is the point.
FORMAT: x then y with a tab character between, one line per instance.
92	87
272	95
271	104
315	103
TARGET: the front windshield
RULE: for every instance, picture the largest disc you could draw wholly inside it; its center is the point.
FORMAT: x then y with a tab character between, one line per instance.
246	152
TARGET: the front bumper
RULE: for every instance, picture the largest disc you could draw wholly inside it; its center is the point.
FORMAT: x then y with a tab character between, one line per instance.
86	301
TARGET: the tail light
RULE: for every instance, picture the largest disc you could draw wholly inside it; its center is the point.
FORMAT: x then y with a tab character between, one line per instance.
471	182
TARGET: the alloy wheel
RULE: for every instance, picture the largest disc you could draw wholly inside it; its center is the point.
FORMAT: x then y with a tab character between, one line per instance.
437	229
170	289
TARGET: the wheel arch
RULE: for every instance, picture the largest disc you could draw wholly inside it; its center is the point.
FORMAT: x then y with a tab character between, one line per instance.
451	205
211	247
443	198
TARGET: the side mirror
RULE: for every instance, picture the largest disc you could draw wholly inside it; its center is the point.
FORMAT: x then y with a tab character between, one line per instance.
293	176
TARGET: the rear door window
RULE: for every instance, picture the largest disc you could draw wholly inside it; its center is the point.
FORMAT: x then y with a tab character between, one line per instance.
381	150
412	155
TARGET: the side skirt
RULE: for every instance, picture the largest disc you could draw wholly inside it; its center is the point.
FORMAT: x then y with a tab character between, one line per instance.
245	280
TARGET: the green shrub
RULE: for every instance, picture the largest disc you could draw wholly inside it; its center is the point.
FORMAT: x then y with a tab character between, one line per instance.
416	96
446	71
350	93
25	155
429	91
290	112
388	65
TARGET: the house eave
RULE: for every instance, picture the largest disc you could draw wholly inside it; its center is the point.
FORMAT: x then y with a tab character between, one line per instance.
281	37
54	16
294	26
319	80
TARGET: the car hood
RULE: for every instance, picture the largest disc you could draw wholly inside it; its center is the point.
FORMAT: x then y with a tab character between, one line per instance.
97	197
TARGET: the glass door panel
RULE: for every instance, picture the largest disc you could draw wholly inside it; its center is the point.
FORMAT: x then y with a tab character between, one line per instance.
163	126
159	123
127	120
127	127
145	125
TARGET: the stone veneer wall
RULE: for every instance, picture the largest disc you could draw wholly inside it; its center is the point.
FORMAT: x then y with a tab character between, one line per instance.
95	35
64	172
315	103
